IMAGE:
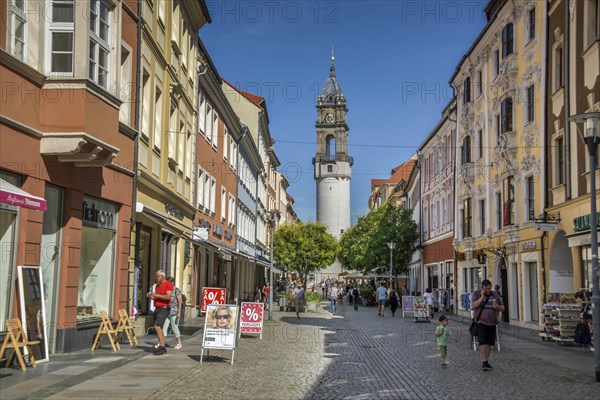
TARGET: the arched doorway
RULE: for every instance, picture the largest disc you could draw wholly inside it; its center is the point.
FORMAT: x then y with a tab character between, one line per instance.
561	265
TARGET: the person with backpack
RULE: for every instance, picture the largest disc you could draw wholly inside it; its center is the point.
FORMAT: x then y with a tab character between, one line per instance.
583	335
355	297
393	302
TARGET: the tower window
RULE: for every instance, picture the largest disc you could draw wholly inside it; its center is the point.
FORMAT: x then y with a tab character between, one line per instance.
330	168
331	146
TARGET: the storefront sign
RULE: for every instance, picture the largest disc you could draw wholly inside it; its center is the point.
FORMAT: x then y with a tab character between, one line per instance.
583	223
546	226
212	296
528	245
174	211
98	213
220	327
200	234
251	318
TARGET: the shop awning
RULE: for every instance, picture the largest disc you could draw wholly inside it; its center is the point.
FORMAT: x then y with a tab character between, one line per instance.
10	194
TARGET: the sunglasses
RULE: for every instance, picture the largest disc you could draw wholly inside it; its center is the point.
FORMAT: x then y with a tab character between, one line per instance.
226	316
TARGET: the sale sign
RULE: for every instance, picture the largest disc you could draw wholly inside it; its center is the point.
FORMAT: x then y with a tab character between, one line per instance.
251	318
213	296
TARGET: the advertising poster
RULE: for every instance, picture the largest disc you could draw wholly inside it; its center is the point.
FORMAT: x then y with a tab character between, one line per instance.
251	318
421	310
408	305
213	296
220	326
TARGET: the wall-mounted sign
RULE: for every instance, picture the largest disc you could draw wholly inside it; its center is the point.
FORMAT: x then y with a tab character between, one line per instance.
228	235
174	211
546	226
218	230
583	223
98	213
530	245
200	234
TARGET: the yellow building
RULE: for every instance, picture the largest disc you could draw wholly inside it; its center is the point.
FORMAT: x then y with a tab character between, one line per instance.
500	159
165	206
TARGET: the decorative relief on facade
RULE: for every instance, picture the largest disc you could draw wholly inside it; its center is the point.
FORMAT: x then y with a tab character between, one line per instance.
530	49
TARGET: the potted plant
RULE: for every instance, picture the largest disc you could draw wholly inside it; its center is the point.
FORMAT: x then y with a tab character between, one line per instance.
313	300
289	301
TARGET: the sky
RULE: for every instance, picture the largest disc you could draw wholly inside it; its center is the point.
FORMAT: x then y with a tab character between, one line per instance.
393	61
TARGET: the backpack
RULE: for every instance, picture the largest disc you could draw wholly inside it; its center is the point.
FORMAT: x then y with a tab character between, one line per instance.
582	334
355	292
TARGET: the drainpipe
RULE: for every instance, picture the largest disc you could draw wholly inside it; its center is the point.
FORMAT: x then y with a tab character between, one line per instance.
455	268
567	100
545	114
134	223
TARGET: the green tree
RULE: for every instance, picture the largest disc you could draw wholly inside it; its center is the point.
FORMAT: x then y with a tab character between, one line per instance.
364	246
304	248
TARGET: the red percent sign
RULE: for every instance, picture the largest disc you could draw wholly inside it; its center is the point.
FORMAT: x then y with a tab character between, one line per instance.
213	296
251	320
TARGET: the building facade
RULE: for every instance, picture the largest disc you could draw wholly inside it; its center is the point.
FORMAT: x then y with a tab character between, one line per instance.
68	74
165	180
573	88
499	173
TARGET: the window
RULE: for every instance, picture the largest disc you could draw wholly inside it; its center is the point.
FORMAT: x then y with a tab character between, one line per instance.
61	29
127	85
225	142
560	162
99	42
481	217
498	211
209	122
496	62
213	194
200	194
215	130
146	101
329	168
507	115
466	150
158	119
181	146
467	91
531	25
233	158
223	203
480	144
202	114
558	67
206	185
497	129
507	40
425	224
591	23
509	202
467	218
530	104
479	83
172	133
18	29
530	199
231	215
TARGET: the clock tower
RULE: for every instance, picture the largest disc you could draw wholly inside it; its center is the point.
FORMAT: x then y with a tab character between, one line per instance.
332	164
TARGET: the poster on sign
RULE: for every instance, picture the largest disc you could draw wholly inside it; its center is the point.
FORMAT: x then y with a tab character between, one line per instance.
220	328
213	296
251	318
408	305
421	309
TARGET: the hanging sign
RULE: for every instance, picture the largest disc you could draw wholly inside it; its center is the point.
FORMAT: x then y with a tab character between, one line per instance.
251	318
213	296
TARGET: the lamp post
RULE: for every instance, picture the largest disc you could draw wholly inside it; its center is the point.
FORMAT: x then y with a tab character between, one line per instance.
272	215
391	245
592	138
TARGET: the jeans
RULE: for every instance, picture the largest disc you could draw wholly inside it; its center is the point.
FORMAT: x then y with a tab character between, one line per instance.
333	304
171	320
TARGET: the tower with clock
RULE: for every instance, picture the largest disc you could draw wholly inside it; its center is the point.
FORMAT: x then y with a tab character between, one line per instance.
332	164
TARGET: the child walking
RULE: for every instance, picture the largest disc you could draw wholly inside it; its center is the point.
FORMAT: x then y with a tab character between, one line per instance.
442	335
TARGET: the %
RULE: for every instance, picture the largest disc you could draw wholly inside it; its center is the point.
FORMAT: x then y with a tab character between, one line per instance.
252	314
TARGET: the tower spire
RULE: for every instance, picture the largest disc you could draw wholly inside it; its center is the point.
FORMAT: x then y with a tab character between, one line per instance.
332	68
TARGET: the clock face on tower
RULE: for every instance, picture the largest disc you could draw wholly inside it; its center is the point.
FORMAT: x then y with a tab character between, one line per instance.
329	118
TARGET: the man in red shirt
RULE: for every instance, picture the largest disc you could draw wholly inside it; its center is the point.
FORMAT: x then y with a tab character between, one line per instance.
266	290
162	299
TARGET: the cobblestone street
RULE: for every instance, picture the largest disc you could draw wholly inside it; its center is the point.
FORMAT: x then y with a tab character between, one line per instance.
359	355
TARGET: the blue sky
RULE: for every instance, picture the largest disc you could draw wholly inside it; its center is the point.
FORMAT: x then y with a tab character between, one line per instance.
393	62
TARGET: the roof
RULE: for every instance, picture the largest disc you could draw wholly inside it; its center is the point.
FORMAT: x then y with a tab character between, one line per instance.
331	87
254	99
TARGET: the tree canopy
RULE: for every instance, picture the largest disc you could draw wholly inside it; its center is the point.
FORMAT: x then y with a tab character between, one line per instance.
364	247
304	248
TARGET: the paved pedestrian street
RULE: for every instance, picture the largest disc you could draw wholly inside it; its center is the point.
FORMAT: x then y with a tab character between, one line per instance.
359	355
352	355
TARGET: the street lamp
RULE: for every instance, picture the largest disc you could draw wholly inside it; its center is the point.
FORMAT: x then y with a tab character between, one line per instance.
391	245
592	138
272	215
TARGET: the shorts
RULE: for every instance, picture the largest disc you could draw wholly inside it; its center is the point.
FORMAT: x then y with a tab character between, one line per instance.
160	315
486	334
443	351
381	302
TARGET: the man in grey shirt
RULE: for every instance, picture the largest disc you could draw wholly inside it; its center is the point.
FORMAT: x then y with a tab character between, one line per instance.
381	298
298	299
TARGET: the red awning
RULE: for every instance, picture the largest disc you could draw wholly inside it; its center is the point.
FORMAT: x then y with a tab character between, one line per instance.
10	194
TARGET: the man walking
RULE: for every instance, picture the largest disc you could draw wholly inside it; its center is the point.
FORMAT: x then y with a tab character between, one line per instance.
162	298
298	299
333	296
486	305
381	298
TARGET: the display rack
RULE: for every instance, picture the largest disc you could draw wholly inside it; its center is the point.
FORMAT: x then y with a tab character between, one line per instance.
558	322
